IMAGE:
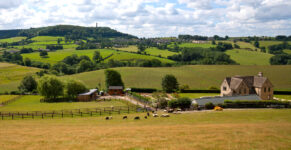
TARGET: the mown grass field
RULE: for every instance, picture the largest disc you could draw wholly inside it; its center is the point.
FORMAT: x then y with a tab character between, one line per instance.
11	74
4	98
13	39
196	76
288	97
263	129
204	45
47	38
59	55
157	52
244	57
130	48
32	103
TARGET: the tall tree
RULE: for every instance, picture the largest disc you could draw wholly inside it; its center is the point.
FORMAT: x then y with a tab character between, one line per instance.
97	57
50	87
170	83
74	88
113	78
257	44
141	48
28	84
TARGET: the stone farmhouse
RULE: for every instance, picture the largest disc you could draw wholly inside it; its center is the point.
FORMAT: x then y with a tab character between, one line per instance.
247	85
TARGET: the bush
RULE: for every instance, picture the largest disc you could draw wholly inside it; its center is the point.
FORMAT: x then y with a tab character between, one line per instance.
209	105
182	103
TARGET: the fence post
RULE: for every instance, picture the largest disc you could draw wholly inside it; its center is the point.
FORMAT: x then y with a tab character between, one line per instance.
12	117
81	114
52	115
2	116
62	114
42	115
32	116
22	116
91	113
128	109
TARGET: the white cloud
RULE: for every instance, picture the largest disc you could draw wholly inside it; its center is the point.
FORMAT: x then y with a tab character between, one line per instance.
151	18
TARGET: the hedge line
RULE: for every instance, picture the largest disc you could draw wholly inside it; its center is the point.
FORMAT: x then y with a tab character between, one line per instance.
255	104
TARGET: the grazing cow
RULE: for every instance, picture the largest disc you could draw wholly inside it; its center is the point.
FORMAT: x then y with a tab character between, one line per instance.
145	117
136	118
165	110
165	115
155	115
106	118
124	117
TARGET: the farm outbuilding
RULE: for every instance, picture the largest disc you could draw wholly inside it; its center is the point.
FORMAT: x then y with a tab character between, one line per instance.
88	96
115	90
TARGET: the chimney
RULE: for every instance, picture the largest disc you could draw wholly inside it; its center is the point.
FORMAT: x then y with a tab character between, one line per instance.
260	74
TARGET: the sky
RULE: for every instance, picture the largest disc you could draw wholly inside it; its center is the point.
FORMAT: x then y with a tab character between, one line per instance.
154	18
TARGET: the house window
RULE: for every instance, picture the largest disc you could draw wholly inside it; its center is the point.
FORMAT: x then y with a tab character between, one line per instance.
265	89
224	88
269	89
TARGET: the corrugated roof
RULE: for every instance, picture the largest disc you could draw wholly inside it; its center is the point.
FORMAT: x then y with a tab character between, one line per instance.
90	92
115	87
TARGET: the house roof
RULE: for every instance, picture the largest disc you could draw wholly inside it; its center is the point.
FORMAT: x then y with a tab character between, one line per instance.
115	87
250	81
90	92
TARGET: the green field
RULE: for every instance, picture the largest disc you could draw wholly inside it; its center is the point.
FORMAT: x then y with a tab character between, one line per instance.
206	45
47	38
260	129
196	76
156	52
4	98
288	97
32	103
11	40
287	51
245	57
59	55
245	45
11	74
131	48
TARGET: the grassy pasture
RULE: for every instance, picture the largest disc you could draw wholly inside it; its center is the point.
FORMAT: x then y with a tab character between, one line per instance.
244	57
204	45
196	76
59	55
156	52
47	38
288	97
13	39
4	98
131	48
265	129
287	51
245	45
11	75
32	103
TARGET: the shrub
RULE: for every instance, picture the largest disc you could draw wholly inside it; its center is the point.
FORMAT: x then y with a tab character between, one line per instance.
182	103
209	105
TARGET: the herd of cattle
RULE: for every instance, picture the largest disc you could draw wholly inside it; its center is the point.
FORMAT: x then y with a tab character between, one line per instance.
138	118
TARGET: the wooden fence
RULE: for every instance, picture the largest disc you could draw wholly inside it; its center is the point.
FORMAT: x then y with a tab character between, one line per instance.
83	112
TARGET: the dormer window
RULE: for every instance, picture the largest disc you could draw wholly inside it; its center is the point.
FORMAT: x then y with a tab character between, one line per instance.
224	88
265	89
269	89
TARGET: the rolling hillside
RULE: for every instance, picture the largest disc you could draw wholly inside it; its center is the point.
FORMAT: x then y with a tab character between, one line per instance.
11	75
197	77
244	57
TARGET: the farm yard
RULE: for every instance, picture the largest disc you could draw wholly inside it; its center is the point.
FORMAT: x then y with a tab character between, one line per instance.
230	129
